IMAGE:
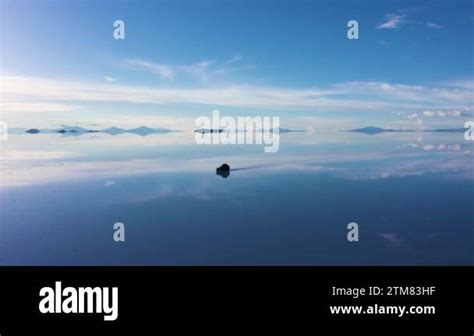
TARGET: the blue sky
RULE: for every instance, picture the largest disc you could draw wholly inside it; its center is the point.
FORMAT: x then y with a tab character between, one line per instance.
412	63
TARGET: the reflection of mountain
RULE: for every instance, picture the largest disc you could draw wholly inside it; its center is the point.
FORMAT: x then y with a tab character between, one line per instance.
64	131
372	130
142	130
78	130
113	130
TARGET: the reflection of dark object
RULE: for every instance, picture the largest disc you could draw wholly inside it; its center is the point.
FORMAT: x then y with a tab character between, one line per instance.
205	130
65	131
223	170
224	174
142	130
32	131
371	130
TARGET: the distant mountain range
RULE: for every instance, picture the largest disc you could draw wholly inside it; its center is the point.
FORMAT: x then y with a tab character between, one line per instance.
144	130
78	130
372	130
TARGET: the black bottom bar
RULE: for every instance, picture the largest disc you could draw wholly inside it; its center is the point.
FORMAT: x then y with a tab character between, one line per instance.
243	298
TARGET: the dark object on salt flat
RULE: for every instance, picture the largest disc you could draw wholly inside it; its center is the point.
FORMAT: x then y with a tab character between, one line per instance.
223	170
33	131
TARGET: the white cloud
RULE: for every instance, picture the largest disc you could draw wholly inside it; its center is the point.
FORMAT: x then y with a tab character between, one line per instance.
110	79
429	114
454	113
392	238
162	70
433	25
50	95
13	77
18	107
414	93
234	59
202	71
392	21
400	18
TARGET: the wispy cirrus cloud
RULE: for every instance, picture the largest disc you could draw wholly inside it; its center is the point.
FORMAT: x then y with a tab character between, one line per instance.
393	21
203	71
161	70
392	238
433	25
400	18
200	70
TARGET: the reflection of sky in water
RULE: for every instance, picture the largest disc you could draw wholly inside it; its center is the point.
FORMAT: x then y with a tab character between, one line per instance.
411	194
